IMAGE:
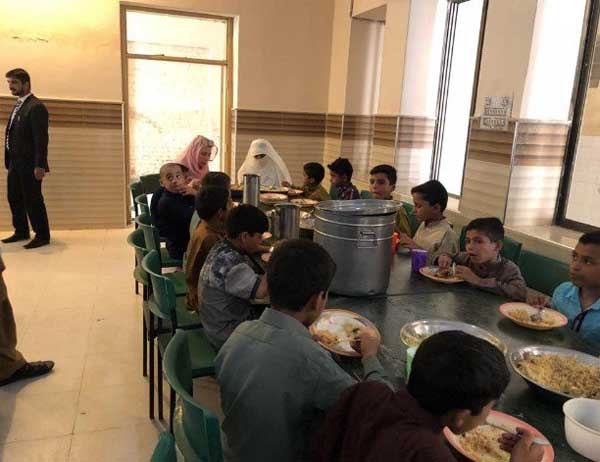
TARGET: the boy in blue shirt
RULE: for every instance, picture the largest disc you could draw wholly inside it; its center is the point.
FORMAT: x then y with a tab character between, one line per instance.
579	299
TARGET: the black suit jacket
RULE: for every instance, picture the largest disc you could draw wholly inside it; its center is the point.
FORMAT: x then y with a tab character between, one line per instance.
28	137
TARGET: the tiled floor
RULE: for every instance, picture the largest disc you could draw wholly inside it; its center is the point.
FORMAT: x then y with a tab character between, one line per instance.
74	303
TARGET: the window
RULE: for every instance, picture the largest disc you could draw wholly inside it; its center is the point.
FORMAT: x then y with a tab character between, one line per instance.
456	93
580	189
178	66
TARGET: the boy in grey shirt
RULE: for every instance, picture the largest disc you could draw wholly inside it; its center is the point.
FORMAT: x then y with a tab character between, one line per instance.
227	281
275	379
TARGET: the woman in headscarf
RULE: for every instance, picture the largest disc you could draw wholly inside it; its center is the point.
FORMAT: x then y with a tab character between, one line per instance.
263	160
195	157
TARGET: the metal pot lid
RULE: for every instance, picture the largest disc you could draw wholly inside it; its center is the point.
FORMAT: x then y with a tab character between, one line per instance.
361	207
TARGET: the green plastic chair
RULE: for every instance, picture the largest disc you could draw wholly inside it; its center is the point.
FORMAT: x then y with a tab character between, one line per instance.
136	189
152	240
511	249
150	183
164	307
334	193
195	428
542	273
136	240
141	202
364	194
412	220
164	451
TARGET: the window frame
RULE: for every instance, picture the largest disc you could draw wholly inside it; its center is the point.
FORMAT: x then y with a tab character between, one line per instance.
583	73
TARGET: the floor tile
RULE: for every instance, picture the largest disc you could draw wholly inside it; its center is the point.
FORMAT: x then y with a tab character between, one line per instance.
46	450
107	369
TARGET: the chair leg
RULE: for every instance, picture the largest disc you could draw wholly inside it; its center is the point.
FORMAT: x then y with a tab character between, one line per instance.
159	377
144	347
151	365
137	288
171	409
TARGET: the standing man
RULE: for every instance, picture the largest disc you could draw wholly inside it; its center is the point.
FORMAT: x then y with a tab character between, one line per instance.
26	158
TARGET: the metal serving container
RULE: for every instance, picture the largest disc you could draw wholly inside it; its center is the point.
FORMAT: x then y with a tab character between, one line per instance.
542	391
413	333
251	189
358	236
286	221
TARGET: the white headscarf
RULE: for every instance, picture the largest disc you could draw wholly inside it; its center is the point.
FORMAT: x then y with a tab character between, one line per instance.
271	168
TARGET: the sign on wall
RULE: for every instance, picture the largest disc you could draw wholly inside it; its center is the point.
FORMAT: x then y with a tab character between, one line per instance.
496	112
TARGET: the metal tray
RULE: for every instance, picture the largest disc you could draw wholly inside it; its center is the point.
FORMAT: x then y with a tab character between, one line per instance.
541	390
412	334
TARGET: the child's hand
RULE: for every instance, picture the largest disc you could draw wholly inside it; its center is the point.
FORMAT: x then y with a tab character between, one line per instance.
367	343
466	273
539	301
444	261
521	446
188	190
286	184
406	242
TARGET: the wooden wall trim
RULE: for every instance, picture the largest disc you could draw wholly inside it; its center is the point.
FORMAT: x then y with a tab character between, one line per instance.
73	113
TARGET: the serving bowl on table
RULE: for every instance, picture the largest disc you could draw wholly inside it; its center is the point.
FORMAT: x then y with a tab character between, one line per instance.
582	426
496	422
542	390
273	198
412	334
295	192
336	328
274	189
551	319
304	203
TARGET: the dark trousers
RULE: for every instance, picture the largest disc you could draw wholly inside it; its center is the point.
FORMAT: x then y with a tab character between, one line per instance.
25	199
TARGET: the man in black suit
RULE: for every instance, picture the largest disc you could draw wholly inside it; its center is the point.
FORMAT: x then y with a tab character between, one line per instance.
26	158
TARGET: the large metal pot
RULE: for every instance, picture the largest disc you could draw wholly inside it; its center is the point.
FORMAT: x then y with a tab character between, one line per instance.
358	236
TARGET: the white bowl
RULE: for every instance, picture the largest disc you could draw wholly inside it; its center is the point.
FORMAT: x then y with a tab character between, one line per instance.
582	426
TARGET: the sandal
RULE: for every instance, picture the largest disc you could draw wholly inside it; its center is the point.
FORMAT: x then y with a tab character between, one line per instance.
29	371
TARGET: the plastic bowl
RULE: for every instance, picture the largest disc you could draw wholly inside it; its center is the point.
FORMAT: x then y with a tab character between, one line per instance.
582	426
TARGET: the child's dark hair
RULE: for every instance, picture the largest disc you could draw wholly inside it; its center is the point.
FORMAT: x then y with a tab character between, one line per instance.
387	170
211	199
433	192
245	219
315	171
492	227
590	238
297	270
164	167
217	179
342	166
453	370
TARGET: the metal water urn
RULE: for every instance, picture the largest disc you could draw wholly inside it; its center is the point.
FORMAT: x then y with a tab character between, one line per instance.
358	236
251	189
286	221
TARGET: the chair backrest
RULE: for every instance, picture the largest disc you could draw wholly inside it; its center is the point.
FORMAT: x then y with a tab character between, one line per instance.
164	451
136	240
511	249
542	273
412	220
151	234
141	203
150	183
163	288
197	433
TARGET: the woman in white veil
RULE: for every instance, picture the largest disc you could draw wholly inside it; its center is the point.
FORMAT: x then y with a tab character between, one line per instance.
263	160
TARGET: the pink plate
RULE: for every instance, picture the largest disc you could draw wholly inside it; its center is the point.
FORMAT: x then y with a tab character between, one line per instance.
506	422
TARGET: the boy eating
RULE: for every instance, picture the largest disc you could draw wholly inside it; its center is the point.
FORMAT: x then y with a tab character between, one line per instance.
174	209
313	174
454	382
212	203
340	172
227	282
274	378
434	233
482	265
579	299
382	182
220	179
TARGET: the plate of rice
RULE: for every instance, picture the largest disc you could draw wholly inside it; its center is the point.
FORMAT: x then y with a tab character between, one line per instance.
520	313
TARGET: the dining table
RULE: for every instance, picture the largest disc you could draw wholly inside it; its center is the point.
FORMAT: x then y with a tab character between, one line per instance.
411	297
